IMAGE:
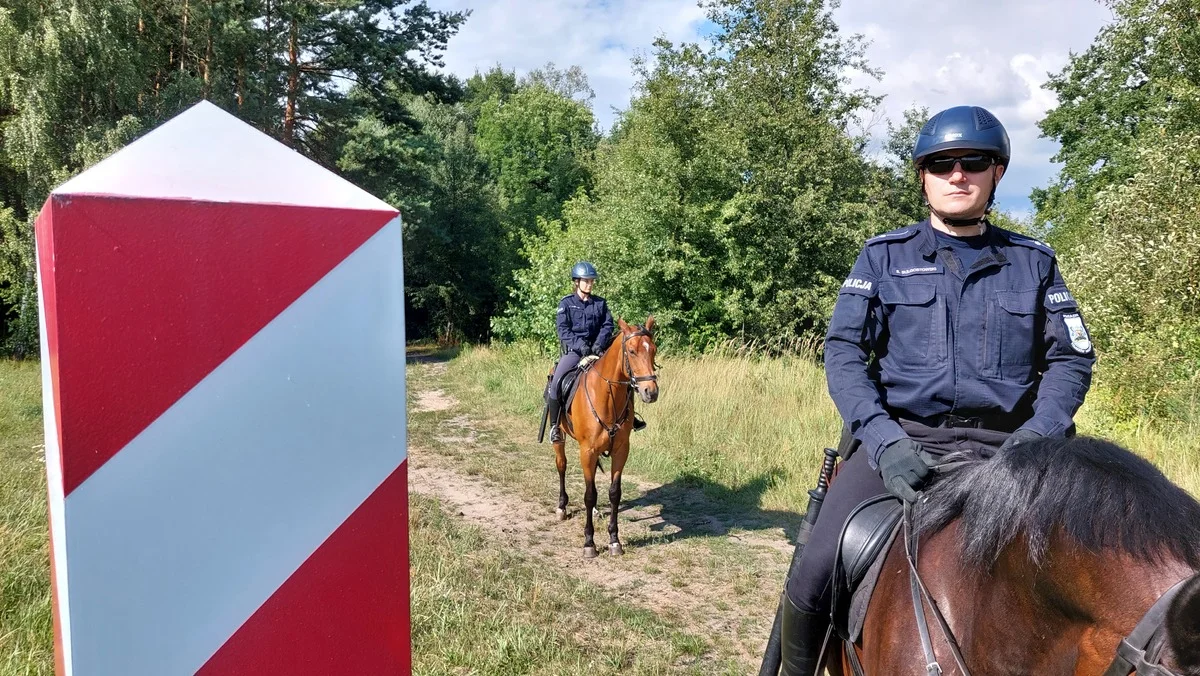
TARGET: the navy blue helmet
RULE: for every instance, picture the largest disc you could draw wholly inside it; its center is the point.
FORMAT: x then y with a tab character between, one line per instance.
962	128
583	270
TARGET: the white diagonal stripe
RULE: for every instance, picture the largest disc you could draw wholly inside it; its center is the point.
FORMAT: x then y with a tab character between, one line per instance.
182	535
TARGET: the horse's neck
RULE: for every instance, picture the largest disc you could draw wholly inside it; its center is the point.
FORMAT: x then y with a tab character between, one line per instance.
1117	590
610	364
1081	603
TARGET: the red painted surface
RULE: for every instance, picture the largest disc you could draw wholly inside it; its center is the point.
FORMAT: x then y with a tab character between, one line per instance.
345	610
166	290
42	231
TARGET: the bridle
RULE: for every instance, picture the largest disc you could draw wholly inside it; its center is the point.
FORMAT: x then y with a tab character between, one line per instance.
1139	653
630	382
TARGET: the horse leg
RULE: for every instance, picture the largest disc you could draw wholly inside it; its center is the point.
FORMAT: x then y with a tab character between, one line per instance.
619	455
560	461
587	458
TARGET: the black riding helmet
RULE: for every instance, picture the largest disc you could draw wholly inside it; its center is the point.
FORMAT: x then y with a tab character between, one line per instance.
583	270
963	128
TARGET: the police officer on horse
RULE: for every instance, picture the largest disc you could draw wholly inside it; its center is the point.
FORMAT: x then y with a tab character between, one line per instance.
950	334
585	327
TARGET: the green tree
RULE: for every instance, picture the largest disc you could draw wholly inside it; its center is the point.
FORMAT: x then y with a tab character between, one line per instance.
538	144
1140	76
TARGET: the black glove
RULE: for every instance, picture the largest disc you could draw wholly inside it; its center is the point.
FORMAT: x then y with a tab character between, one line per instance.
905	467
597	350
1017	438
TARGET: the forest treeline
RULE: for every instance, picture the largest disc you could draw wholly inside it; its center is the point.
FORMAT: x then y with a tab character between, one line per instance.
729	198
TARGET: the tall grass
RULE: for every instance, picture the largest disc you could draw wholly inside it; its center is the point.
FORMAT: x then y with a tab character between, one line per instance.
26	629
734	419
738	418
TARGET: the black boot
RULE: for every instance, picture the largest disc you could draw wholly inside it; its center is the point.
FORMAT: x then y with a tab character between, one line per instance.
638	423
554	411
800	637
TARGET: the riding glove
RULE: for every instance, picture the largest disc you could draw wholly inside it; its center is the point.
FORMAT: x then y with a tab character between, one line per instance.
1017	438
905	467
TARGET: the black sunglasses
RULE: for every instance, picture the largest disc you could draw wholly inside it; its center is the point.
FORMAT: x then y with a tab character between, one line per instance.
972	164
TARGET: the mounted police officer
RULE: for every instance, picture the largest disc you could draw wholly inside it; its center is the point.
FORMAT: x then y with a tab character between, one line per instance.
950	334
585	327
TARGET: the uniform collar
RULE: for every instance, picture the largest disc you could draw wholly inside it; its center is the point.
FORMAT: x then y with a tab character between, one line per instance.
997	240
927	240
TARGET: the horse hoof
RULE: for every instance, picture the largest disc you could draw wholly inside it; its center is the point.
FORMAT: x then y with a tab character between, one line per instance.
562	514
615	549
589	552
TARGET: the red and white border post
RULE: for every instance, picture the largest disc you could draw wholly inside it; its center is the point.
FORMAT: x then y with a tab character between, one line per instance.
223	368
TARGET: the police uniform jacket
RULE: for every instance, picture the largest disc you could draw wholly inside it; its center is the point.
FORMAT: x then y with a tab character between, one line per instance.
914	336
584	326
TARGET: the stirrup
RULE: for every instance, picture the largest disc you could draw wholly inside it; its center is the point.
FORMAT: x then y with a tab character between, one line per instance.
638	423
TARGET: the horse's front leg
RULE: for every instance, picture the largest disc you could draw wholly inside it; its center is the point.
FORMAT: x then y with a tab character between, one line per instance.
587	458
619	454
560	461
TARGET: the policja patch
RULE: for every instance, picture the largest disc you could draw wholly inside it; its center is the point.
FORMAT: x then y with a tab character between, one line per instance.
1080	342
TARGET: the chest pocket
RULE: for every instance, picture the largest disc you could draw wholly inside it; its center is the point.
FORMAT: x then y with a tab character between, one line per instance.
578	317
916	324
1011	335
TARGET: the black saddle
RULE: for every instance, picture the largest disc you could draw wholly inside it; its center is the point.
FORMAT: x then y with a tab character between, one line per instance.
569	385
865	540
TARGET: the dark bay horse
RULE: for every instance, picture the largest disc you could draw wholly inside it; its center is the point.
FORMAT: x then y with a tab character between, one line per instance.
601	418
1041	560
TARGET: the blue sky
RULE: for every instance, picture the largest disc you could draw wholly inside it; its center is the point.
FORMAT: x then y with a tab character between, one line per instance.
996	55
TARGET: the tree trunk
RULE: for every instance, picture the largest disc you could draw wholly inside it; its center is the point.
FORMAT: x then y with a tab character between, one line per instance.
208	54
183	44
293	86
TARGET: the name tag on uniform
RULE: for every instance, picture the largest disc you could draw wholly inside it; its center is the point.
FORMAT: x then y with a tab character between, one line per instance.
917	270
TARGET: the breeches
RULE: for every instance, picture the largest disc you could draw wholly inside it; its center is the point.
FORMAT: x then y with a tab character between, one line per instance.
567	362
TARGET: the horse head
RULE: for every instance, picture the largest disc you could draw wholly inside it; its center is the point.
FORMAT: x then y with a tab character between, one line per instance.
638	348
1183	628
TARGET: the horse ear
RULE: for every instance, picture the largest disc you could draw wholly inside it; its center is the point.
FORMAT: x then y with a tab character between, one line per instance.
622	324
650	323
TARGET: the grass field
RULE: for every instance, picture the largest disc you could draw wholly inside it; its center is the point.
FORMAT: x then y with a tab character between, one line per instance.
743	421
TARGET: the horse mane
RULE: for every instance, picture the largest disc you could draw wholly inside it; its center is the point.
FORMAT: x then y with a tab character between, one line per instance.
1098	494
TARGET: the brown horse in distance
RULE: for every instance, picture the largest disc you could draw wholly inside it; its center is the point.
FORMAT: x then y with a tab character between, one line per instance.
601	419
1041	560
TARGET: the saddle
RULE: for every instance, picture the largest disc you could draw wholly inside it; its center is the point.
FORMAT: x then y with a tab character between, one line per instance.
862	547
568	386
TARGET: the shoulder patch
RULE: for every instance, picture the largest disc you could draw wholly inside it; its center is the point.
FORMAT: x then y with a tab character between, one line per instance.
894	236
1025	241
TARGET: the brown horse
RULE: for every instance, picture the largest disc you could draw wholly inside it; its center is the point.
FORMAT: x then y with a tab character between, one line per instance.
1040	560
601	418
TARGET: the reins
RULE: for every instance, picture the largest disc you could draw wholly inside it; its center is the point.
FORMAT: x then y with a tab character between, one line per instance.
629	383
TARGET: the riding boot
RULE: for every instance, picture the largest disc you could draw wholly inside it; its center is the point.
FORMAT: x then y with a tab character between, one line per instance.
554	411
638	423
800	637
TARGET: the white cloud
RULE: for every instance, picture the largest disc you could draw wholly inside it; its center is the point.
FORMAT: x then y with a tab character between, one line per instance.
600	37
992	54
